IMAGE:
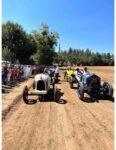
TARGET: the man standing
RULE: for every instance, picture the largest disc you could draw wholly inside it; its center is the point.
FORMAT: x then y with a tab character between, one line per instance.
57	73
78	74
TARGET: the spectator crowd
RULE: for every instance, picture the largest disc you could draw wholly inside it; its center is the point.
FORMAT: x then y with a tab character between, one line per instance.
12	73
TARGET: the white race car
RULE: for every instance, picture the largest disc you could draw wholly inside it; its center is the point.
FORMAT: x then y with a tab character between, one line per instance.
42	86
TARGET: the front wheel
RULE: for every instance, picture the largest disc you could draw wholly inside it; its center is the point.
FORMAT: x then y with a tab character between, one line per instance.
108	90
80	91
25	94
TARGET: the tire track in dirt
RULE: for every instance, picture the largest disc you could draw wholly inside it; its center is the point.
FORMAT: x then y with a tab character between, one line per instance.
75	125
75	111
96	115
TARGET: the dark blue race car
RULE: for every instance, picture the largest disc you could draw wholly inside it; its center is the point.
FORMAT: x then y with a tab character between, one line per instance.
94	88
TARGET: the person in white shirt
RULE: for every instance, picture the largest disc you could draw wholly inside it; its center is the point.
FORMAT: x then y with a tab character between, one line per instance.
25	71
46	69
57	72
78	74
86	75
57	69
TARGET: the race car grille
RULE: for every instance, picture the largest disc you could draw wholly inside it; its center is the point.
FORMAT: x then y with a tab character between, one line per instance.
40	85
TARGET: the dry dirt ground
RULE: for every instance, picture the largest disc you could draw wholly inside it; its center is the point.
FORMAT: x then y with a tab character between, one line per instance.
70	124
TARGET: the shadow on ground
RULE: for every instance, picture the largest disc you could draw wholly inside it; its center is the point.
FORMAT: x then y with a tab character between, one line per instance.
8	88
92	100
48	98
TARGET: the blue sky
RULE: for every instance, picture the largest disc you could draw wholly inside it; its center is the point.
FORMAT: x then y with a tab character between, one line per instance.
80	23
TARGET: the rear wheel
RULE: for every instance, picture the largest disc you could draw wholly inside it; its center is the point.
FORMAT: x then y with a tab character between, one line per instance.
25	94
108	90
80	90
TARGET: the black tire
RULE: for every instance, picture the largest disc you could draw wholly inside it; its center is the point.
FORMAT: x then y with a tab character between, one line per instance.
108	90
25	94
80	90
55	92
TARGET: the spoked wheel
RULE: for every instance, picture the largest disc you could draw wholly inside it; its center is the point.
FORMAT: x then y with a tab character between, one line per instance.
108	90
80	91
25	94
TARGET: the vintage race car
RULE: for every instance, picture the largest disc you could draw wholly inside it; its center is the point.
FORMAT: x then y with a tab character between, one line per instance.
42	86
94	88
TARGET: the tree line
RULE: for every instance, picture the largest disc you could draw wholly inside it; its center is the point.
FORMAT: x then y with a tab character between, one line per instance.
38	47
84	57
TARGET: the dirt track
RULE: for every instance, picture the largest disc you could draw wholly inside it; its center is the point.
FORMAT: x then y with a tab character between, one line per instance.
70	124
